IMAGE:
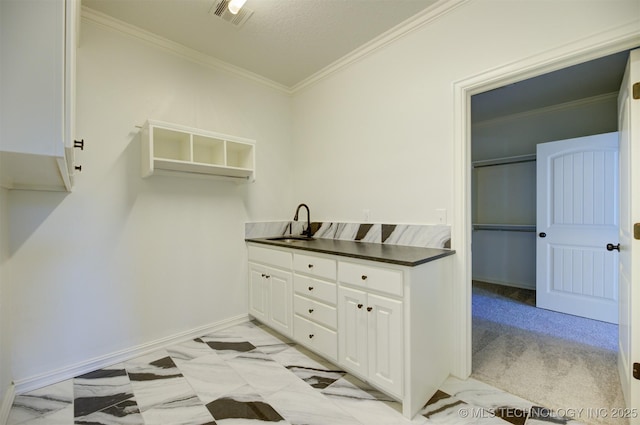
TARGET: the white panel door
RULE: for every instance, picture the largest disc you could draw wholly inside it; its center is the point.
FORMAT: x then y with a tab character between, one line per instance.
629	130
385	343
352	330
577	216
257	292
280	290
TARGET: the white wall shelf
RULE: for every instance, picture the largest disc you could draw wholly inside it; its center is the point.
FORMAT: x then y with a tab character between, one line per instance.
176	148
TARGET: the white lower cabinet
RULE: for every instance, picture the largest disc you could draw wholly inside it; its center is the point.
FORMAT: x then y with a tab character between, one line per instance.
258	292
271	289
385	323
314	304
371	338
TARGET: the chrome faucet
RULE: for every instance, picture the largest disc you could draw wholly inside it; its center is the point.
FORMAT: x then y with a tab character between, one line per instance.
306	232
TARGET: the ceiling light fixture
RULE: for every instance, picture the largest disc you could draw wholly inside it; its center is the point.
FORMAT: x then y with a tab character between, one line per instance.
236	5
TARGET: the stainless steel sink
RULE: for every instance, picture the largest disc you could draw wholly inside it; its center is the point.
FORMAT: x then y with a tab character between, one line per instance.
290	239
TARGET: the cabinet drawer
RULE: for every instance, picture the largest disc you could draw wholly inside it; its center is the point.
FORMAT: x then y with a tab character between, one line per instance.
383	280
320	339
315	266
315	288
272	257
315	311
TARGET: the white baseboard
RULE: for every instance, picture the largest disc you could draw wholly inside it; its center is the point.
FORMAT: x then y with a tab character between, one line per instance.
29	384
7	402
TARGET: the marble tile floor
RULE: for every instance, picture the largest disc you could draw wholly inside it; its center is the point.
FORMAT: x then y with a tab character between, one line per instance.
247	375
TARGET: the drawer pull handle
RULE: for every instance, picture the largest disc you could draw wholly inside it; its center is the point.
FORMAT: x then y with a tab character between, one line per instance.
364	277
369	308
311	288
310	310
311	336
310	266
359	305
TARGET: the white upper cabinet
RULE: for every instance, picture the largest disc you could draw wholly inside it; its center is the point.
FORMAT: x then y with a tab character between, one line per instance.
177	148
37	93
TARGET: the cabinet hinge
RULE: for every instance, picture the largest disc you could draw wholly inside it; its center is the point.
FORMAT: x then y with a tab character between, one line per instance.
636	231
636	370
635	90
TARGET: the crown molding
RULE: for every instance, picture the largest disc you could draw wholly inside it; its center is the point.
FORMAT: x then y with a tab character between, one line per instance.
177	49
602	98
437	10
415	22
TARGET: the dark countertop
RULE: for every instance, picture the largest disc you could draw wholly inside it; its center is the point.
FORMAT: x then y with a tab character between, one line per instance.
393	254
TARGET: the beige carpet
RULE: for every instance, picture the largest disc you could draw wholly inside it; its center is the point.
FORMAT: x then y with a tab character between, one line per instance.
558	361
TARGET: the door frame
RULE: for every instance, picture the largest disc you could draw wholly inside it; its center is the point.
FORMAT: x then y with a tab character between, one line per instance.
621	38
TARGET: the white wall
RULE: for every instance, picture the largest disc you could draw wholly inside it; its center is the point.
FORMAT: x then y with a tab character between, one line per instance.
520	133
379	133
123	261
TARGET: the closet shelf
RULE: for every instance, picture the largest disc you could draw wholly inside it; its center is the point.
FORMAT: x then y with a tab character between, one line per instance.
506	227
504	161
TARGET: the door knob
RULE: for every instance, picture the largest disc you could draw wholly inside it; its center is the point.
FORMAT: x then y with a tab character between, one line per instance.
611	247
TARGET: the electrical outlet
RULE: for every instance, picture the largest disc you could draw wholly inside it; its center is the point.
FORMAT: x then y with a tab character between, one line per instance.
441	214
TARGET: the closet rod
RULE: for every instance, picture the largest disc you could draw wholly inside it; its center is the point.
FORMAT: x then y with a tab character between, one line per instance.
504	161
506	227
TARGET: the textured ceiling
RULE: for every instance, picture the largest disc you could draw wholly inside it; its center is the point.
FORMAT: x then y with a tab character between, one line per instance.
285	41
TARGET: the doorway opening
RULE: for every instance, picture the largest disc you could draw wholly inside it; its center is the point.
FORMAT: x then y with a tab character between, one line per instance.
547	357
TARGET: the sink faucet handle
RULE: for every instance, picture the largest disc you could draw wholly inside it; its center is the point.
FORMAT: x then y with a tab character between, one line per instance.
307	231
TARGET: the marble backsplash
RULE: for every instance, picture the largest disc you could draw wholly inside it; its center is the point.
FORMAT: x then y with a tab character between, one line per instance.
420	235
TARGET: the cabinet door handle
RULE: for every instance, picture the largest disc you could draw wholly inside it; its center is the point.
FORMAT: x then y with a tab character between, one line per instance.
311	336
359	305
369	308
364	277
310	266
267	276
264	275
311	288
611	247
310	310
